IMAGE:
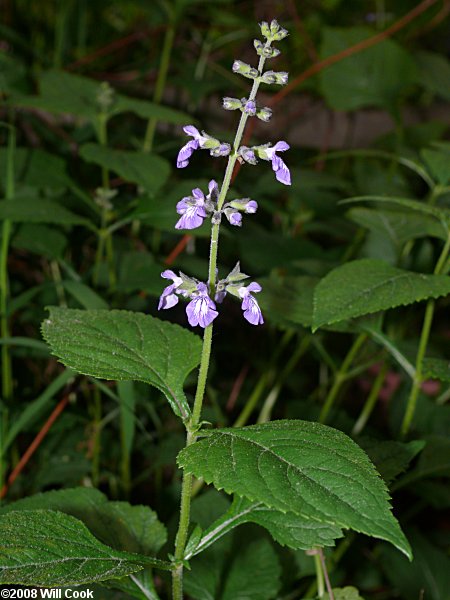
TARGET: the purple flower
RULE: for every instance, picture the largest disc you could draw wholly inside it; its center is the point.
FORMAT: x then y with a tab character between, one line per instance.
168	297
281	170
250	305
193	210
223	149
201	310
235	218
187	150
251	207
250	108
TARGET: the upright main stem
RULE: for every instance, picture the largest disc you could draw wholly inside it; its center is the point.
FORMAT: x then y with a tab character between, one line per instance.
195	421
440	268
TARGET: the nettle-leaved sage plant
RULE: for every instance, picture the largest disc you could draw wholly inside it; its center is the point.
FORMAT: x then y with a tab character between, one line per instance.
304	482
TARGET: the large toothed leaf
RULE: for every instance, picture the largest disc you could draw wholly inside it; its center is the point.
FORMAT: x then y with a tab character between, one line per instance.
366	286
124	346
49	548
301	467
288	529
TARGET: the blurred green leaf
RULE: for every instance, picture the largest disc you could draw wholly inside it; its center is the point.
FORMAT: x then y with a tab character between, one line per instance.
368	78
146	170
433	72
39	210
252	573
366	286
428	575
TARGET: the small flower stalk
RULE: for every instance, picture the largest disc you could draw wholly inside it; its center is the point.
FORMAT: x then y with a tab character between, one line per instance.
200	206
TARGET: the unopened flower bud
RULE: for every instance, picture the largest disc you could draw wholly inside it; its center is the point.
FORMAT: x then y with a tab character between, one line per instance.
265	29
280	34
245	204
248	155
221	150
105	96
231	103
264	113
234	217
277	77
244	69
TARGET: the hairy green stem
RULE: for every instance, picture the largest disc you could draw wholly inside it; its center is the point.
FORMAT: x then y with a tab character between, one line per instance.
340	377
195	421
319	575
423	343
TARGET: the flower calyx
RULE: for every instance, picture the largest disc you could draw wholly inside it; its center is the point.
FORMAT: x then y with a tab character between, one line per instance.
245	69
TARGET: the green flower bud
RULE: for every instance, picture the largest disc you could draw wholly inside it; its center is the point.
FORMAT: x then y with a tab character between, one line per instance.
245	69
264	113
265	29
231	103
279	78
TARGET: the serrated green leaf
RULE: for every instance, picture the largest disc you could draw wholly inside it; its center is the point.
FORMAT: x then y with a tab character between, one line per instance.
366	286
117	524
125	346
39	210
49	548
436	368
368	78
147	170
288	529
301	467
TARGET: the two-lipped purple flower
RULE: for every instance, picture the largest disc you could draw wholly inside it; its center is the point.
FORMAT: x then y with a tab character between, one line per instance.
201	141
169	296
250	305
201	310
194	209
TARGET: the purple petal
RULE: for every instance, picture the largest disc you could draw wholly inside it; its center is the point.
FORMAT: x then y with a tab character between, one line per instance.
167	298
185	153
281	146
282	172
235	219
254	287
252	312
251	207
182	206
250	107
201	311
198	194
191	219
168	274
191	130
213	187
